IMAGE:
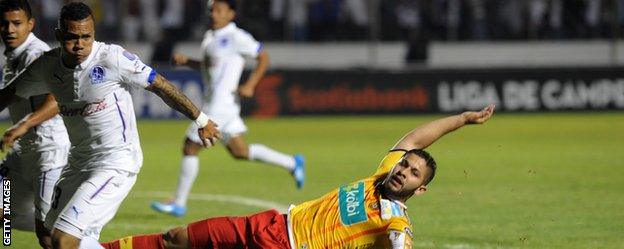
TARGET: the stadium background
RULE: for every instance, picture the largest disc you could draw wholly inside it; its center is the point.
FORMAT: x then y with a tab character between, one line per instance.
349	77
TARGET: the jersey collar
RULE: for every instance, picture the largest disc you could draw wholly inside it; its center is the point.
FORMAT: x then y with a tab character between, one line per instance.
94	49
231	26
17	51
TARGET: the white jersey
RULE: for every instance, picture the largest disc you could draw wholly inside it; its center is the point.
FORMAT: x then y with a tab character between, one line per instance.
51	133
223	52
95	103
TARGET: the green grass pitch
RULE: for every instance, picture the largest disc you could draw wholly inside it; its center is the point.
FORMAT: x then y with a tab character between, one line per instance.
519	181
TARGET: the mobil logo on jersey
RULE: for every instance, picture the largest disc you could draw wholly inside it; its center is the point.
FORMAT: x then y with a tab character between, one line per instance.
351	203
97	75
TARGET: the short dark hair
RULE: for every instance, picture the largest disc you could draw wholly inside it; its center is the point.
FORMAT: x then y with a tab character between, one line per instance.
430	162
12	5
74	11
230	3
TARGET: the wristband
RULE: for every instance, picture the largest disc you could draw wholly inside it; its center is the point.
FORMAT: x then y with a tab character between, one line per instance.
201	120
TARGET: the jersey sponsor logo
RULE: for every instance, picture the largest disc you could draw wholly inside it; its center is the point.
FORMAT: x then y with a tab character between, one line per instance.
129	55
97	75
351	204
82	110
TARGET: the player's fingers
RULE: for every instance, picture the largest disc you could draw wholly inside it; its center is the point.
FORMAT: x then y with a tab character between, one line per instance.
218	135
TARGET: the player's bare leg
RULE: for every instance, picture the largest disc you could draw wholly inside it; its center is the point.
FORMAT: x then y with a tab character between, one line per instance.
62	240
191	148
188	172
43	235
259	152
238	148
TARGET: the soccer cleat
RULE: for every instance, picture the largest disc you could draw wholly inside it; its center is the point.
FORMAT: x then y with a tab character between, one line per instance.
169	208
299	171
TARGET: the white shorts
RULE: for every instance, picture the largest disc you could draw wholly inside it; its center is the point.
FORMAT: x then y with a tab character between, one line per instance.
33	175
84	201
230	126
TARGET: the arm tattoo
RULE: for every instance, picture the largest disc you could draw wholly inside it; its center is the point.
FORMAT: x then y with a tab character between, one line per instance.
173	97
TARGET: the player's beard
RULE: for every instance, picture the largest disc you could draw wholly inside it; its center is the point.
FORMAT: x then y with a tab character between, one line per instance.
387	192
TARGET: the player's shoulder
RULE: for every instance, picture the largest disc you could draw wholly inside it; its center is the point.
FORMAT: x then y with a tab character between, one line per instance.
37	46
241	33
53	53
49	57
115	53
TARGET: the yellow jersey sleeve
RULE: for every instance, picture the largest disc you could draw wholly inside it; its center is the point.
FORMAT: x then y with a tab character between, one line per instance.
389	161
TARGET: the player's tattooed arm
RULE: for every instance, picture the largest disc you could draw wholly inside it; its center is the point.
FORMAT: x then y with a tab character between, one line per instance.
173	97
428	133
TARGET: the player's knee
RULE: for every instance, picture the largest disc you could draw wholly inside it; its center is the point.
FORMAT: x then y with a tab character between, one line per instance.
239	153
191	148
61	240
176	238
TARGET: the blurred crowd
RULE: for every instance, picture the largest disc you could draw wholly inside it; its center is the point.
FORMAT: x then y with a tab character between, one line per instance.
331	20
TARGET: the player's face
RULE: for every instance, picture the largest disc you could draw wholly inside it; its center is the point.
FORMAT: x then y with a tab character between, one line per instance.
221	14
77	39
15	27
407	178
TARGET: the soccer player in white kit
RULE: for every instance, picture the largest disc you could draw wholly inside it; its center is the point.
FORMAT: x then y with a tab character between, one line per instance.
34	163
91	82
224	48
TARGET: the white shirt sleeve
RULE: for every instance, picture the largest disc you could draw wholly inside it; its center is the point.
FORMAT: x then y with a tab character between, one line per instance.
132	70
246	45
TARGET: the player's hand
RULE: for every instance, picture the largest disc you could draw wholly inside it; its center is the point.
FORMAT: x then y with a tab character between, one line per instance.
179	59
246	91
209	134
478	117
12	134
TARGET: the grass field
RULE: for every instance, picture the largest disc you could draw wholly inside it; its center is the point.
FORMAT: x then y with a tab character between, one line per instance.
520	181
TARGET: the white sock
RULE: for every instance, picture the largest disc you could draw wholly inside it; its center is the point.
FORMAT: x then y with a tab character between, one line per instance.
89	243
188	172
265	154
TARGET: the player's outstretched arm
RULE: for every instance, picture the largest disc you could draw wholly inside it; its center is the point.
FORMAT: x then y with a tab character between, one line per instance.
182	60
46	111
428	133
175	99
262	63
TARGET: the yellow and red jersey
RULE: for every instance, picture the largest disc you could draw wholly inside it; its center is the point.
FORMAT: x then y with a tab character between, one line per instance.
352	216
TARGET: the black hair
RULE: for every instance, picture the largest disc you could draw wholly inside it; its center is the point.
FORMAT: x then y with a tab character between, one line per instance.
12	5
430	162
74	11
230	3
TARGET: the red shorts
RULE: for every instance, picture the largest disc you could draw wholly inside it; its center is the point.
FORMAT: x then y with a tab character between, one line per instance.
263	230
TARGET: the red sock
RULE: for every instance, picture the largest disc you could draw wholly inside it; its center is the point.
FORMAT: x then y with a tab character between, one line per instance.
150	241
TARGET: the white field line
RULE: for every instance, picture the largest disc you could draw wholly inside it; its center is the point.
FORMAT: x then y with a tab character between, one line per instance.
236	199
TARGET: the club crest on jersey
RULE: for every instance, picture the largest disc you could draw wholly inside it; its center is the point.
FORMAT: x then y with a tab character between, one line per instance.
97	75
223	42
129	55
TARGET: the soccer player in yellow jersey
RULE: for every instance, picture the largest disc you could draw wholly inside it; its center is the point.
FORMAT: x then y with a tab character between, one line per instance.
369	213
